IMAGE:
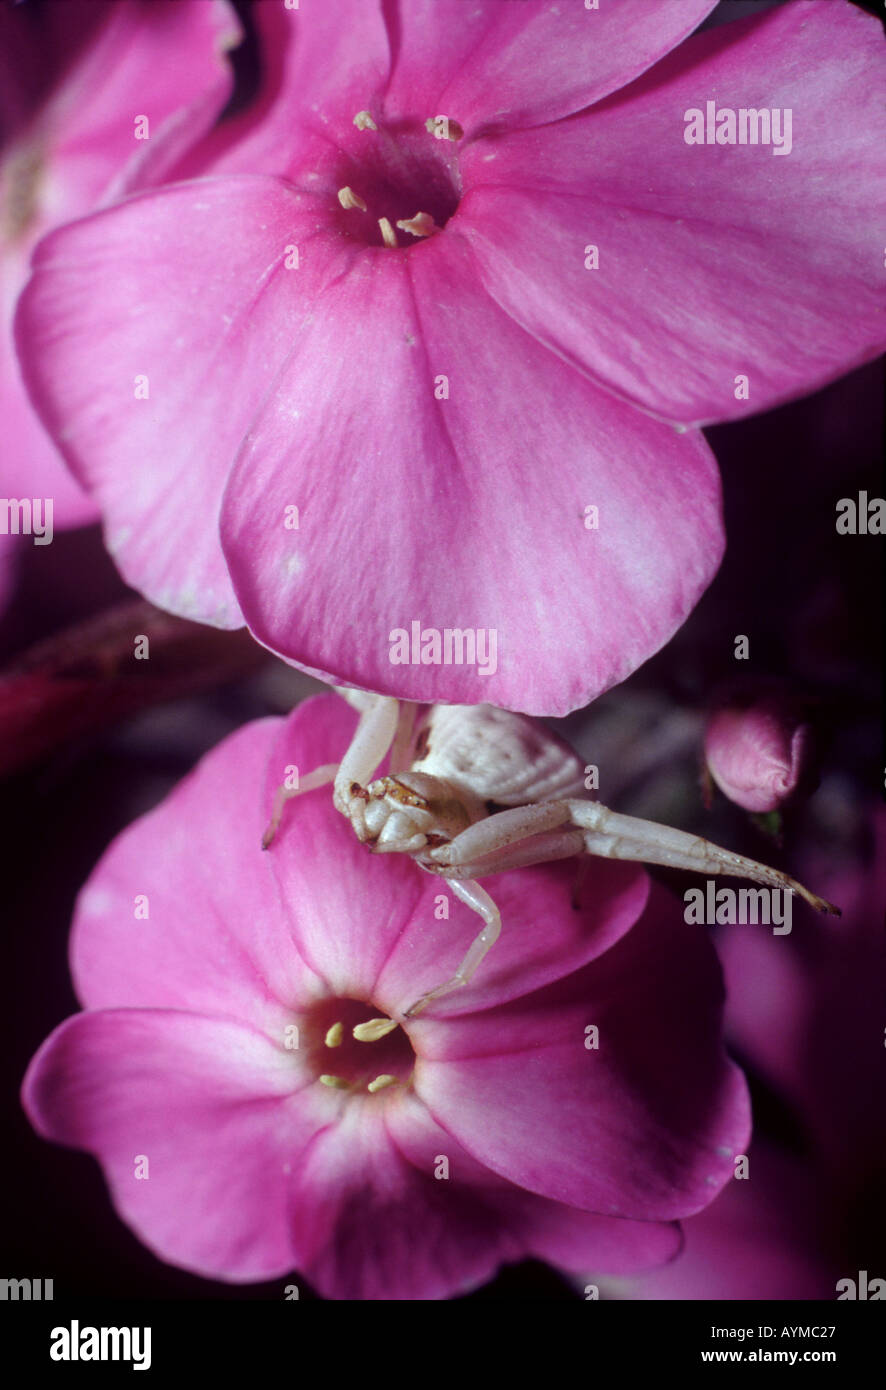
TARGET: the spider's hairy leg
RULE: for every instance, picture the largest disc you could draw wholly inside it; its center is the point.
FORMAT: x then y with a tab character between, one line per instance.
320	777
477	898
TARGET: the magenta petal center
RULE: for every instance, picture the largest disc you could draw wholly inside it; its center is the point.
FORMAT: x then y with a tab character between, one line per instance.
353	1046
398	181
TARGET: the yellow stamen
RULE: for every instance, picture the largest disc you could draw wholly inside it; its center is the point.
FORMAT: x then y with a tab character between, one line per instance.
336	1082
387	231
381	1082
422	224
349	199
334	1036
373	1030
363	121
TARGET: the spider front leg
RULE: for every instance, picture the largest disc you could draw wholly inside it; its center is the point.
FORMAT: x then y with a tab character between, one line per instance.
478	899
380	719
377	730
320	777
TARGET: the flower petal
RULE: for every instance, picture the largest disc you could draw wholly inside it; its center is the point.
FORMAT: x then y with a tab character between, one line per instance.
441	1235
466	512
164	62
215	1109
83	138
580	1240
714	262
756	1242
321	63
140	298
656	1112
349	907
524	64
568	1238
217	937
31	465
543	938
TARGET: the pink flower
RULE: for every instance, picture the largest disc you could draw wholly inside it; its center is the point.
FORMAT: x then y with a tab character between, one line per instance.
183	1058
74	78
759	751
810	1214
827	1054
467	431
758	1240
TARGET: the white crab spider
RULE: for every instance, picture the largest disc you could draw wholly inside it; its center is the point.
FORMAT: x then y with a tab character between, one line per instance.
451	768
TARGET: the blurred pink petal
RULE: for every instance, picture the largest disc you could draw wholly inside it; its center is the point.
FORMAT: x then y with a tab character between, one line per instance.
825	989
77	76
755	1242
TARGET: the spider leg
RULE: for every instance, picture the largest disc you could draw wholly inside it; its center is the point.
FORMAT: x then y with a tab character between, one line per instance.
373	737
615	836
612	836
536	849
478	899
379	720
320	777
502	830
400	760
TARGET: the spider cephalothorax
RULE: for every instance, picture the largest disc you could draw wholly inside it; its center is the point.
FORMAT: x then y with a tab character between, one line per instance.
412	812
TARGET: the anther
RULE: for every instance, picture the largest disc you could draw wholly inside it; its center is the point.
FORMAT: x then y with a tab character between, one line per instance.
375	1028
381	1082
349	199
334	1036
336	1082
387	231
422	224
363	121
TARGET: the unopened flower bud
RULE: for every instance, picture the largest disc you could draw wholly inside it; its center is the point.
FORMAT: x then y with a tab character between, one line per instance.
759	753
